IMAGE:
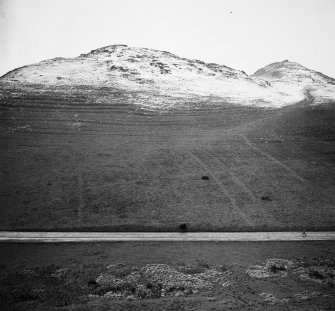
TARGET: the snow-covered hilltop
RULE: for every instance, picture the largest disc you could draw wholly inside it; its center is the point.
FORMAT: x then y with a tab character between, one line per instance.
293	78
160	73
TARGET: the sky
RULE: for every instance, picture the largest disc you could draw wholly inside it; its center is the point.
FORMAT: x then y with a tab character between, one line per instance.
242	34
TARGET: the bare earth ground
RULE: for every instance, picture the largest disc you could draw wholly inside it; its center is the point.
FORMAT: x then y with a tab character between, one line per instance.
222	276
68	163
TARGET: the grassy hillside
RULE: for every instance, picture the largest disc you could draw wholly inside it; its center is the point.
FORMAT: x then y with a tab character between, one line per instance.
69	163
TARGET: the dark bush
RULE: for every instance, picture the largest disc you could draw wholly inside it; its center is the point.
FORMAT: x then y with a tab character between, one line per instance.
205	178
183	227
92	284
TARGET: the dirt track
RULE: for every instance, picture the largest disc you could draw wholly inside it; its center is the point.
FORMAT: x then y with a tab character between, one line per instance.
57	237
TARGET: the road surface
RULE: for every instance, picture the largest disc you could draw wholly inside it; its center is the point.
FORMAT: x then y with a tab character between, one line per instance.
56	237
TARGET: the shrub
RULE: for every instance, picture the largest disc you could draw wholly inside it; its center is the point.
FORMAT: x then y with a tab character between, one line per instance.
183	227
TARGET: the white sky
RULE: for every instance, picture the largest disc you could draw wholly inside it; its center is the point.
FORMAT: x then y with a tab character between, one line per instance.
254	34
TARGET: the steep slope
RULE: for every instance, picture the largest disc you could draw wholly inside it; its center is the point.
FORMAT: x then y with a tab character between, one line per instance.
165	80
292	77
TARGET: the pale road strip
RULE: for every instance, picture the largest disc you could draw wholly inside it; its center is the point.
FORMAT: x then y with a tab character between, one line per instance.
56	237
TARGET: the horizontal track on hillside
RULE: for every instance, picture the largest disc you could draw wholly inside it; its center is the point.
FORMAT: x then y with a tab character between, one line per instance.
57	237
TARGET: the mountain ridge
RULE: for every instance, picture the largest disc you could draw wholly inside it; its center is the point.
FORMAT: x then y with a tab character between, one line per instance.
161	73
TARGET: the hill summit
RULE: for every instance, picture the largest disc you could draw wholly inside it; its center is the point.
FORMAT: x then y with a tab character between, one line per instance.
162	76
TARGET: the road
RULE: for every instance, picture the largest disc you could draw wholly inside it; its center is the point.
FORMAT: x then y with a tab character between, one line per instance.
57	237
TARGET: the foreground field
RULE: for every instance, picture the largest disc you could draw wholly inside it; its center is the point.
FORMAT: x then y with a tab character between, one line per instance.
70	164
168	276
